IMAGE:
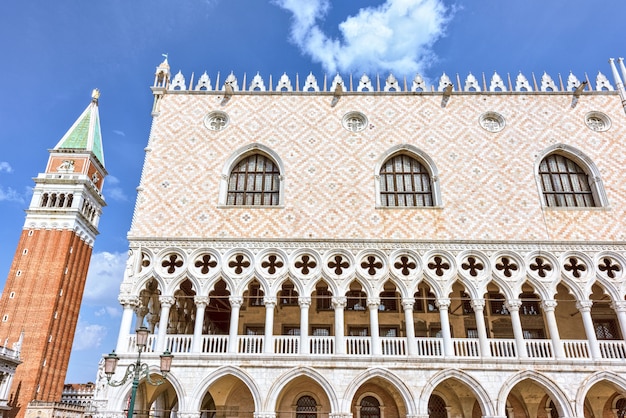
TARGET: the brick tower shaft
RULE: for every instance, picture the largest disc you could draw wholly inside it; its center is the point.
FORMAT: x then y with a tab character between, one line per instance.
42	296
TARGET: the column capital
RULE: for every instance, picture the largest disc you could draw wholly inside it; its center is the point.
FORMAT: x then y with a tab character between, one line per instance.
408	303
373	303
513	305
443	303
235	301
339	302
128	301
478	304
584	305
269	302
619	305
548	305
304	302
167	301
201	301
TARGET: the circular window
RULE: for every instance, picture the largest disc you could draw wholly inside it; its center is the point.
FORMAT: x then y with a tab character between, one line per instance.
354	121
597	121
492	121
216	121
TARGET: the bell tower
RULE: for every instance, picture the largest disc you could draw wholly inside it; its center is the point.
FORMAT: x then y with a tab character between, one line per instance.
43	291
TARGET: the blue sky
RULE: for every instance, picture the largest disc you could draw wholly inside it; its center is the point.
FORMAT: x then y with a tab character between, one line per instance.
55	53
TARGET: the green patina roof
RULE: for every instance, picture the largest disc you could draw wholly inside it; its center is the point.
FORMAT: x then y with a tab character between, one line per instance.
85	133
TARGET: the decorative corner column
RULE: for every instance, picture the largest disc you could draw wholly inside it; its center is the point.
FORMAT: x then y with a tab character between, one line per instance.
372	305
584	307
339	304
268	338
548	307
235	307
444	304
478	305
518	333
129	303
201	303
305	304
166	303
411	343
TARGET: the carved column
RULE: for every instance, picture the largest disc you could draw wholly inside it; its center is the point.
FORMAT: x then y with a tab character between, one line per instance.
305	304
584	306
478	305
201	303
548	307
130	303
339	304
235	306
513	308
407	305
620	311
166	304
443	305
268	339
372	305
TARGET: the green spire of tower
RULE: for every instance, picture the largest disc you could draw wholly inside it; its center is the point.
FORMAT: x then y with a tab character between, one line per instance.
85	132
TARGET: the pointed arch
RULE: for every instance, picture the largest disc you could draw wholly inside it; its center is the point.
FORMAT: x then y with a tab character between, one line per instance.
286	378
590	381
473	385
566	177
398	383
406	177
268	171
551	387
204	385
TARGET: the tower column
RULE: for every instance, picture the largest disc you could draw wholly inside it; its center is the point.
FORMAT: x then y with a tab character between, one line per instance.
584	306
444	304
478	305
235	306
407	305
620	311
166	303
268	339
339	304
372	305
129	303
305	304
548	307
518	333
201	303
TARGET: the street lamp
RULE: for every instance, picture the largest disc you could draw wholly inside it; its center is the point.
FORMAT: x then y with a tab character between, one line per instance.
138	370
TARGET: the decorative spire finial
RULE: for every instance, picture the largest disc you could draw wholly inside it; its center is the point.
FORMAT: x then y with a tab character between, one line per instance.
95	95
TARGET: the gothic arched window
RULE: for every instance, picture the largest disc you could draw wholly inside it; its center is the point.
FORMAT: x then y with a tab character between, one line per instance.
405	182
370	407
254	181
564	183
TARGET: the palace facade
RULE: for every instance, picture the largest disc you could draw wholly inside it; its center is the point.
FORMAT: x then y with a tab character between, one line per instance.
377	247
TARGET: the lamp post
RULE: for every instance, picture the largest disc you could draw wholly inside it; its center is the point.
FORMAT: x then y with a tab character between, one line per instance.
138	369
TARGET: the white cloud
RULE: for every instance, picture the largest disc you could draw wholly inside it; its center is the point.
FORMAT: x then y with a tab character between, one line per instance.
118	132
6	167
106	272
10	195
396	36
88	336
113	191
